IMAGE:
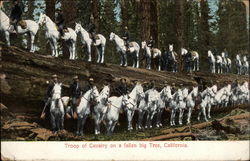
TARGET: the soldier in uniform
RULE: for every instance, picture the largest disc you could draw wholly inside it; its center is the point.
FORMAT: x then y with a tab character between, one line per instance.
75	94
16	14
150	43
123	88
125	37
89	86
92	29
49	94
173	88
60	22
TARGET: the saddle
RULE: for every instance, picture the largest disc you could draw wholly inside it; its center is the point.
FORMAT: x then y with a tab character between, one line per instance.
130	44
96	36
23	24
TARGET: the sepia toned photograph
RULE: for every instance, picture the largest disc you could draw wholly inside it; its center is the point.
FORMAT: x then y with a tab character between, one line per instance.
124	77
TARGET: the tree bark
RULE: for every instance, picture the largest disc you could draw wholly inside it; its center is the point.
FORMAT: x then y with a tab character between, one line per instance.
95	13
179	13
124	12
146	9
154	21
50	8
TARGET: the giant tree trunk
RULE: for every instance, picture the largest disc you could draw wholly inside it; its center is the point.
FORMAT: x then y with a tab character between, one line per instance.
179	13
124	12
69	13
154	21
146	9
50	8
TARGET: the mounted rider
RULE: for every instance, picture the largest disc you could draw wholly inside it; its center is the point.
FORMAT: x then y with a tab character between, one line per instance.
91	29
16	14
59	20
75	94
125	37
151	43
49	94
123	88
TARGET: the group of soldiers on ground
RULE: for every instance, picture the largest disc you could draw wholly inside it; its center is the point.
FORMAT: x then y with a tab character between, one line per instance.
76	91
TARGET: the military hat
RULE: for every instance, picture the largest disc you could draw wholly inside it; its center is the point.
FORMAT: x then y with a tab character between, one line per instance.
91	79
173	84
165	82
58	10
75	77
54	76
125	27
123	79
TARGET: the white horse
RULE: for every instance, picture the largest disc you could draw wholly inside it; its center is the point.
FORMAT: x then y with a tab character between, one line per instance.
7	28
238	64
134	96
190	100
101	108
134	50
211	61
115	105
172	61
173	107
219	64
165	96
57	109
226	63
152	97
53	35
206	95
83	109
181	102
151	54
100	43
192	63
245	66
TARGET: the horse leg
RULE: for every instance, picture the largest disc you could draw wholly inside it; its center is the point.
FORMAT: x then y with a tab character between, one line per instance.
137	59
52	47
140	119
159	64
82	125
97	123
32	39
129	118
7	37
125	60
208	112
98	54
149	62
204	113
189	115
180	116
102	54
53	122
109	126
55	47
79	120
89	52
113	126
74	50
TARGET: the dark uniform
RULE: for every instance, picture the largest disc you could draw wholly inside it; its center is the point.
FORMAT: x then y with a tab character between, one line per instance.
91	30
49	94
122	88
150	43
16	14
125	37
60	21
75	92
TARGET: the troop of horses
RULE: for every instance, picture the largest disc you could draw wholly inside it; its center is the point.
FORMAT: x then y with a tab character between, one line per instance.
149	104
164	60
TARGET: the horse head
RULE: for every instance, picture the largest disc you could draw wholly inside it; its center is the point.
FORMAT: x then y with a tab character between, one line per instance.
77	27
209	53
139	90
111	36
170	47
143	44
94	95
183	51
105	93
56	92
42	19
126	103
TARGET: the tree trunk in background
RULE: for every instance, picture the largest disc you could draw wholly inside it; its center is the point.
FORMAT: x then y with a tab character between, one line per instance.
95	13
50	8
70	14
50	12
179	13
154	20
124	13
145	21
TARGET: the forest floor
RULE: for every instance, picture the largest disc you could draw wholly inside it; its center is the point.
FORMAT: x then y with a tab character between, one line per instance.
23	85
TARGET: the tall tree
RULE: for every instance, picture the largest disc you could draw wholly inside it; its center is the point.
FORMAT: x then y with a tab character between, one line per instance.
179	13
154	20
50	8
145	9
